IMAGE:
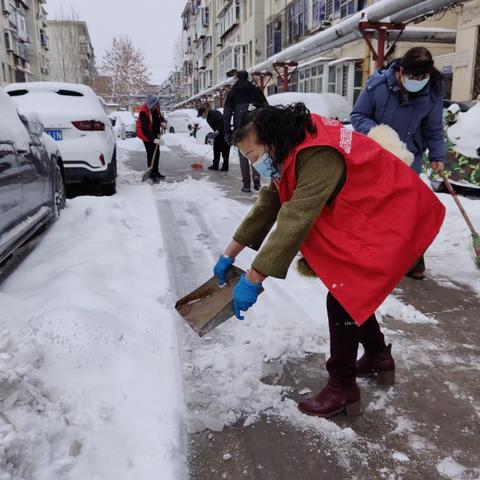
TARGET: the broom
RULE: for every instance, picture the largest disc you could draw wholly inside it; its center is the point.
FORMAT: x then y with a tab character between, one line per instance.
199	165
475	236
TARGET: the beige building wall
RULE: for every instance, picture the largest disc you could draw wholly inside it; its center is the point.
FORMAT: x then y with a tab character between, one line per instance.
464	61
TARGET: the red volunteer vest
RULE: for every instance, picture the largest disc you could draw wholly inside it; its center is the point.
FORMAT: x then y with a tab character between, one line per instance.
140	133
380	223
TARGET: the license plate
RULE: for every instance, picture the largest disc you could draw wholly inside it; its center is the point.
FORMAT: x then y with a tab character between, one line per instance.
56	134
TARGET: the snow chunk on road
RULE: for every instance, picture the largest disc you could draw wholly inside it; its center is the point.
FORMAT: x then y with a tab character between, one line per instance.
89	361
450	468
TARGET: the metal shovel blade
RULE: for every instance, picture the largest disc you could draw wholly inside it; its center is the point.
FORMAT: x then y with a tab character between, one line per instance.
209	305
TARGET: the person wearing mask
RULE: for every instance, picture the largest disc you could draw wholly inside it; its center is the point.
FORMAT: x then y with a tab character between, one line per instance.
243	96
149	126
408	97
220	147
360	217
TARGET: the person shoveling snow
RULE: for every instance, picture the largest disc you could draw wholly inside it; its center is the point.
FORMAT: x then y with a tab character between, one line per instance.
360	217
149	127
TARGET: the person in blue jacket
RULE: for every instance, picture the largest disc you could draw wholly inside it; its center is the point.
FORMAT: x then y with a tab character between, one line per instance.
408	97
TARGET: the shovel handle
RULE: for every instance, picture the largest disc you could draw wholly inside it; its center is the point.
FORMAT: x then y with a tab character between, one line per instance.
453	193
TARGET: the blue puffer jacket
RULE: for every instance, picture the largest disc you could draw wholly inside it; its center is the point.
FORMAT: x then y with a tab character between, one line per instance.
418	121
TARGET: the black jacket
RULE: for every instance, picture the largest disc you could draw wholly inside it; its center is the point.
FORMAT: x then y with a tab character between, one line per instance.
154	131
243	96
215	120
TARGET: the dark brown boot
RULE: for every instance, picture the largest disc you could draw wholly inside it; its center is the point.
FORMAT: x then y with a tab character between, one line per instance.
379	365
332	400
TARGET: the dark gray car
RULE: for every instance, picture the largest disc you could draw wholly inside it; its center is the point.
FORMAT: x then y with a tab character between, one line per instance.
31	179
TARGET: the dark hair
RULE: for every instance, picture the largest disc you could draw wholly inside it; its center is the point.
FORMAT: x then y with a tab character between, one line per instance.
419	61
280	128
242	75
201	111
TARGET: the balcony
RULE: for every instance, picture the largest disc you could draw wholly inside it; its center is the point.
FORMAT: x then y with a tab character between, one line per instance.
230	19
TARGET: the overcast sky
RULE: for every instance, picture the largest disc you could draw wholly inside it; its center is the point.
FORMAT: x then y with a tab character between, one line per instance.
153	26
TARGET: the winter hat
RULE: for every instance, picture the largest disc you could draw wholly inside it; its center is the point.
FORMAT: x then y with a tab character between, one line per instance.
201	111
152	101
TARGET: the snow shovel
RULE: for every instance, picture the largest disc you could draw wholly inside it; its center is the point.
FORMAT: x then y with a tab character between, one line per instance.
148	173
475	236
209	305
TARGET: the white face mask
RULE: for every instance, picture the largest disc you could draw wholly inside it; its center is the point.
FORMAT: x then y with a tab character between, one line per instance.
264	166
414	86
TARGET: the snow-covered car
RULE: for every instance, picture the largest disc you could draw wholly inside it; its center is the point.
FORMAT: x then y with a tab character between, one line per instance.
329	105
184	120
75	118
32	190
124	124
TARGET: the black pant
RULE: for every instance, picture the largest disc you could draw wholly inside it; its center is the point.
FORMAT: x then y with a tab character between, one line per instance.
419	267
221	147
152	150
345	336
247	169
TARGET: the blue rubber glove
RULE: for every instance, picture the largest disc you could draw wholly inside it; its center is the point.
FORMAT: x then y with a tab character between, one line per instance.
220	269
245	295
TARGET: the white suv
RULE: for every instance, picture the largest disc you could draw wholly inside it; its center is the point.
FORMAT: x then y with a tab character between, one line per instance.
74	117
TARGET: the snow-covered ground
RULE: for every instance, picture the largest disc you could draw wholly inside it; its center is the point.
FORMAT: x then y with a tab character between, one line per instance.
93	380
89	361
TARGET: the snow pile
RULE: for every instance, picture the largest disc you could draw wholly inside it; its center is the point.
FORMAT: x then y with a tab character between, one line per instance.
89	370
11	127
136	145
451	254
449	468
329	105
465	133
186	143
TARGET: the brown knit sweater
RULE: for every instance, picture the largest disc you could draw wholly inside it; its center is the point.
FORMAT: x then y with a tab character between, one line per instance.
320	175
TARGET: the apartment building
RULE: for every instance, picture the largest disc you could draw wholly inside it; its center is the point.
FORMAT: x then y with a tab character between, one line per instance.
39	41
171	90
464	63
220	37
71	53
246	32
16	38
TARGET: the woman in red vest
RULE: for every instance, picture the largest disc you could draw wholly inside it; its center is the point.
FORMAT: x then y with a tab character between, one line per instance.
149	124
360	217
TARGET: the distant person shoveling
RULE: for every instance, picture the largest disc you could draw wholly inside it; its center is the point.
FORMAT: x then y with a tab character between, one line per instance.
149	128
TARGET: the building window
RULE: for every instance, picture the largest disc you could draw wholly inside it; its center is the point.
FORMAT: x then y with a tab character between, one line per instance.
4	72
274	38
231	58
297	20
332	79
348	7
358	81
230	19
319	12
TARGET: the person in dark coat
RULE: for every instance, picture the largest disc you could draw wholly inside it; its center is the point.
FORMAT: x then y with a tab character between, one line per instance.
220	147
243	96
408	97
149	126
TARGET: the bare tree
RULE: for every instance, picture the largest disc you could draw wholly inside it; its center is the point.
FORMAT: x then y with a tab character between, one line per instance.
179	52
125	66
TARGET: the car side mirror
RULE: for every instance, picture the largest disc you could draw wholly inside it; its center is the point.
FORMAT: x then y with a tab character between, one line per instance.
113	122
36	127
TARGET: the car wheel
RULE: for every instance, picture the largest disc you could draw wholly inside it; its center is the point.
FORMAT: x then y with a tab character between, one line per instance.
110	187
172	130
59	198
